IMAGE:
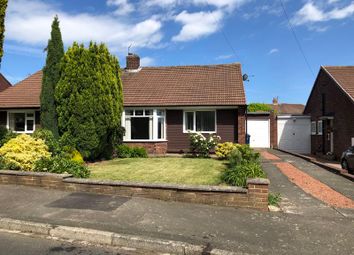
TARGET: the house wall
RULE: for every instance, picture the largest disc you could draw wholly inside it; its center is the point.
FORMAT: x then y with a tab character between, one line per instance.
3	118
227	128
338	104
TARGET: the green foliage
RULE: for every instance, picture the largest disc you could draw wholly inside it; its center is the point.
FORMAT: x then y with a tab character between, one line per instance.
89	100
248	154
274	199
235	158
238	175
49	139
6	135
259	107
3	6
22	152
223	150
77	157
201	146
2	163
124	151
51	76
60	165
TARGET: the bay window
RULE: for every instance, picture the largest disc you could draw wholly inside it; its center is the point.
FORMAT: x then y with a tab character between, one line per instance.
200	121
144	124
21	122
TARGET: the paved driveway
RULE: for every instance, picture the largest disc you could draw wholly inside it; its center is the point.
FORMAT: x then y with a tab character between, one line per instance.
295	199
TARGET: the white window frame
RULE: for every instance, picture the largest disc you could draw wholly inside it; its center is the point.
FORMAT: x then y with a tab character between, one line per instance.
185	130
26	118
320	127
313	127
154	116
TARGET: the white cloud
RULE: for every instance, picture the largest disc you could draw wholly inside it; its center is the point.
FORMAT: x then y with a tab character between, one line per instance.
198	24
273	51
147	61
229	4
28	22
123	6
162	3
311	13
220	57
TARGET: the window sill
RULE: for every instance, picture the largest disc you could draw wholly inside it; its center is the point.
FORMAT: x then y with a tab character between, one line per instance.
145	141
200	132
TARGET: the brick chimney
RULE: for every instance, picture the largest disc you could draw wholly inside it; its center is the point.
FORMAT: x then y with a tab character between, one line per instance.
133	62
275	100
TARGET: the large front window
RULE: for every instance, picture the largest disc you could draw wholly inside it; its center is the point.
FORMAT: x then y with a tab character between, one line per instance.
144	124
21	122
200	121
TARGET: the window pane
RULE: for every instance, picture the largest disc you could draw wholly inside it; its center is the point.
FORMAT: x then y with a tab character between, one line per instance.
30	125
189	120
160	113
129	112
17	122
148	112
139	112
160	128
140	128
205	121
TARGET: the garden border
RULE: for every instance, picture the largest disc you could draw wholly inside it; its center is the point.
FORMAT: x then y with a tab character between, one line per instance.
255	196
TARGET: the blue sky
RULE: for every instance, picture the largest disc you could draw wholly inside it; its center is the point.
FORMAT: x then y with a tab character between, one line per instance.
186	32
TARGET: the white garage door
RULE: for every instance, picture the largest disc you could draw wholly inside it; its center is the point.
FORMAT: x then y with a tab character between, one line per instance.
258	129
294	134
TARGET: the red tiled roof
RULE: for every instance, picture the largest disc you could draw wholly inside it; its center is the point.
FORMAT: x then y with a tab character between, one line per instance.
24	94
214	85
344	76
288	108
4	83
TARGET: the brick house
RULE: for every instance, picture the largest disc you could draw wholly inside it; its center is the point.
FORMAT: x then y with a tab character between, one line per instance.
4	83
161	104
331	107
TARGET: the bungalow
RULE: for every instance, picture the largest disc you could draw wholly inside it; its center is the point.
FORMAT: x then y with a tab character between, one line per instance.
161	104
331	107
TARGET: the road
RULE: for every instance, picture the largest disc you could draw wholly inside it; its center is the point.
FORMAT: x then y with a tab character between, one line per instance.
18	244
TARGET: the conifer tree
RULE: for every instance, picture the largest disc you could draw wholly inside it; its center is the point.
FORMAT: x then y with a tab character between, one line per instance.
3	6
51	76
89	100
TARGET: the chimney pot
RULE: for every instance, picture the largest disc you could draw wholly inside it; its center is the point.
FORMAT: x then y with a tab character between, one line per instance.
275	101
133	61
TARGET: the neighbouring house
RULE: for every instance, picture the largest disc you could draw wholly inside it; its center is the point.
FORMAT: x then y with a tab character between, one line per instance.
4	83
331	107
285	127
161	104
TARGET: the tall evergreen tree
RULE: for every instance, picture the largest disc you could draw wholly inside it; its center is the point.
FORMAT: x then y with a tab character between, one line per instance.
3	6
89	99
51	76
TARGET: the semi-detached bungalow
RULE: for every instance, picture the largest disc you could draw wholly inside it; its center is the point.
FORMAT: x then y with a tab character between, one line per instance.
161	104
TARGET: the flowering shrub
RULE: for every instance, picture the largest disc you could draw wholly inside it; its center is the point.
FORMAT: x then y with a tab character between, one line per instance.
22	152
200	145
223	150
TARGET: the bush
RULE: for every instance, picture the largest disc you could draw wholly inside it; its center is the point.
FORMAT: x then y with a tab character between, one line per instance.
6	135
248	154
60	165
235	158
3	133
49	139
2	163
223	150
124	151
274	199
22	152
77	157
201	146
238	175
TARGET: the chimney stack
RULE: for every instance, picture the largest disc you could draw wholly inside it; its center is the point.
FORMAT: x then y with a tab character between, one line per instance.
275	101
133	61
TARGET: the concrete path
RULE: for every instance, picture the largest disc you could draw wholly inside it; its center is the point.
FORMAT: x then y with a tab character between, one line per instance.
295	199
238	230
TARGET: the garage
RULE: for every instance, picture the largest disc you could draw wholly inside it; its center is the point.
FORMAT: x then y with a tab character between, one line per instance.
258	129
294	134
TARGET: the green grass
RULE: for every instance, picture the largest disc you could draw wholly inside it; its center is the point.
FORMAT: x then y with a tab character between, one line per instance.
160	170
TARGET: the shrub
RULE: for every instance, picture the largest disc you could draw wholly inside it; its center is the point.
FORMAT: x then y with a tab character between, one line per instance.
138	152
201	146
124	151
77	157
49	139
235	158
258	107
248	154
60	165
274	199
223	150
22	152
238	175
2	163
6	135
3	133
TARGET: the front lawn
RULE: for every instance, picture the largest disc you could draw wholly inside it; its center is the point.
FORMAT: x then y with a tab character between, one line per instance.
160	170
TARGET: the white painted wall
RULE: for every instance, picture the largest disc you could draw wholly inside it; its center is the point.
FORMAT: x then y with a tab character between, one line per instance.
294	134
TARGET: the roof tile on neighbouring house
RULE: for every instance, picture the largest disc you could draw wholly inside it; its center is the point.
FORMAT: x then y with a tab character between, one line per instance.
344	76
4	83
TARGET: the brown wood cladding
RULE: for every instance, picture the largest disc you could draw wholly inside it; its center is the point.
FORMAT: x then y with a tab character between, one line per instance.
178	141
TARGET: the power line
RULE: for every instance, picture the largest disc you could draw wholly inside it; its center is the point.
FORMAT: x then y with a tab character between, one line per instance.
296	38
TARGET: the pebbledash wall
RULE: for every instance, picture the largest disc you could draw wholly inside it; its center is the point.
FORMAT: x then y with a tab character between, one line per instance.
230	125
255	196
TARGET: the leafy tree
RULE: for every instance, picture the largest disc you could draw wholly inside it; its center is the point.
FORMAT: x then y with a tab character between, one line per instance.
51	76
259	107
3	6
89	100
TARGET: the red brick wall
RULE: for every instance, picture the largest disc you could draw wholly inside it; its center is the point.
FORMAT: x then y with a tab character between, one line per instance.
158	148
241	125
273	130
337	104
133	62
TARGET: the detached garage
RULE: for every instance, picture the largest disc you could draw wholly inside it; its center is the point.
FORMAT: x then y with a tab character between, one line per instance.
258	129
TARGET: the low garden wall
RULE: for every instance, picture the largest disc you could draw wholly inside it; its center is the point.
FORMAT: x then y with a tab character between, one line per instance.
255	196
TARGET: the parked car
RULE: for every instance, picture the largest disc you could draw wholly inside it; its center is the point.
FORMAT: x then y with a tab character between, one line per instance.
347	160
